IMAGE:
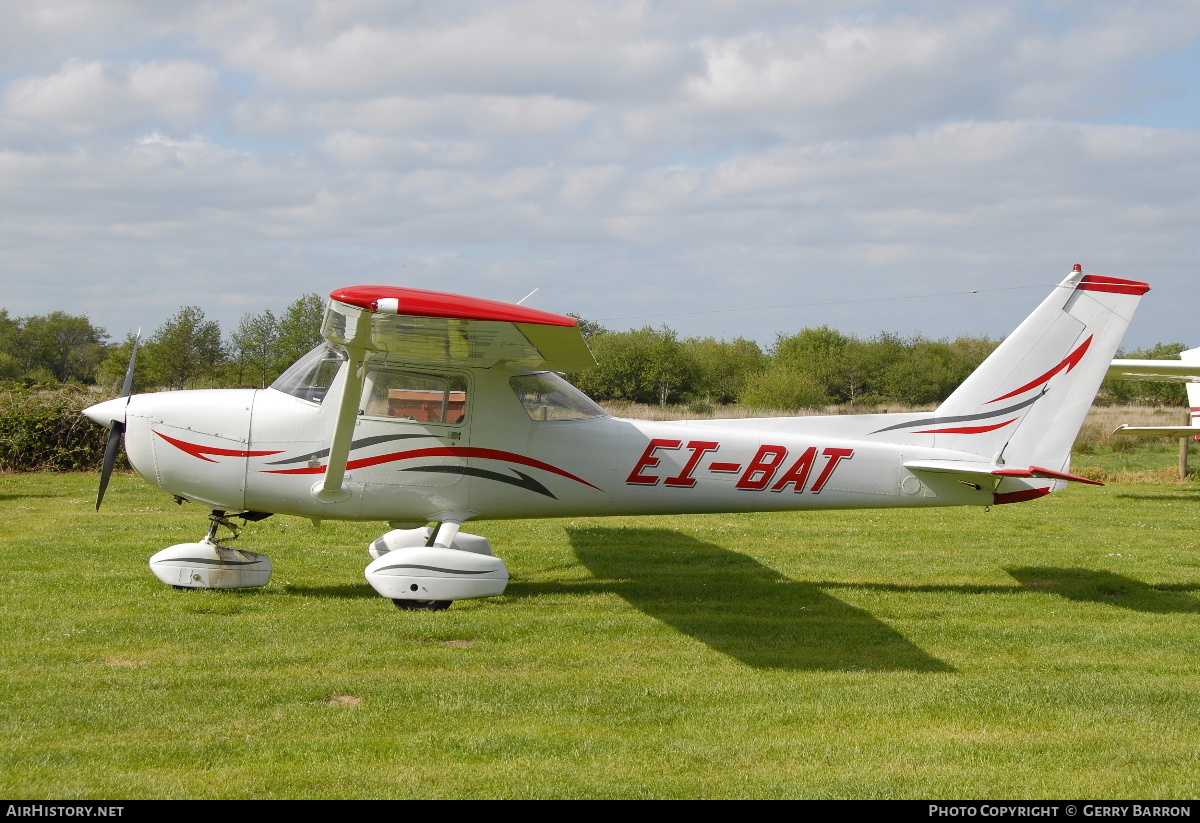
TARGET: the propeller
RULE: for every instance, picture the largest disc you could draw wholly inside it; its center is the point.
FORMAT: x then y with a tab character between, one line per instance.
113	447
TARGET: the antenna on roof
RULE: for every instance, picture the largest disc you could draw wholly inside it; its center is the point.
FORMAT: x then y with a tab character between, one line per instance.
526	297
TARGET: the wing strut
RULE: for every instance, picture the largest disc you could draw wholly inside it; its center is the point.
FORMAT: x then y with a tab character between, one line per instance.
330	489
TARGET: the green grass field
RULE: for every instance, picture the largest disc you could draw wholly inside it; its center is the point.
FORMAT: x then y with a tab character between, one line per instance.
1041	650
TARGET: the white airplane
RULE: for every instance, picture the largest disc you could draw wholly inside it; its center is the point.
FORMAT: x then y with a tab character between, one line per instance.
1184	370
429	408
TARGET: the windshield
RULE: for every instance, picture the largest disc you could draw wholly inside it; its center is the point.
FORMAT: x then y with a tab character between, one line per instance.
310	377
546	396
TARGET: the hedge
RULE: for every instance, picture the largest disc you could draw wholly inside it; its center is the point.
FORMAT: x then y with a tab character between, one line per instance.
44	430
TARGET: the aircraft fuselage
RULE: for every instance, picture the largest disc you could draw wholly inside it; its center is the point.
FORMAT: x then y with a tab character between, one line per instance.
263	450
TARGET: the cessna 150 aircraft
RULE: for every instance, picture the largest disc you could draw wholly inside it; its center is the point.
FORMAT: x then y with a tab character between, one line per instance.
429	408
1184	370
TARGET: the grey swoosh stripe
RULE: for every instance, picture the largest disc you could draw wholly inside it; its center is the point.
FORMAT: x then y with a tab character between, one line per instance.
208	561
354	444
963	418
430	569
526	482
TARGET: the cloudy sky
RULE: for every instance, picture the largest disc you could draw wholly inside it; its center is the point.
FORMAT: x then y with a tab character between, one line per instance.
727	168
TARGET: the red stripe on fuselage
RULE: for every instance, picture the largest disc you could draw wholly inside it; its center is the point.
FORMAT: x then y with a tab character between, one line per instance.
967	429
196	450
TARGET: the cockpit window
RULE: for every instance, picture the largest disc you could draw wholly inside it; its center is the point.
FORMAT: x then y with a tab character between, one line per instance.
546	396
310	377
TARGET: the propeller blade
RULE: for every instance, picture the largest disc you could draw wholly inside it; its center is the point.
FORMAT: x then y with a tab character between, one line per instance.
128	384
111	449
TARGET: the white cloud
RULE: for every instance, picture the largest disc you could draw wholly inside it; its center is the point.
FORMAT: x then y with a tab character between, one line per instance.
534	48
355	148
483	115
677	156
98	96
803	69
45	33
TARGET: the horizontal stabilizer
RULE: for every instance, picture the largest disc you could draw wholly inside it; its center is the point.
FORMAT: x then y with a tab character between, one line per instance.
992	470
974	469
1047	474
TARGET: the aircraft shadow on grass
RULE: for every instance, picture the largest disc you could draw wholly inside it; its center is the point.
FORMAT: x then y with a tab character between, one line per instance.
1075	584
355	591
1090	586
4	497
741	608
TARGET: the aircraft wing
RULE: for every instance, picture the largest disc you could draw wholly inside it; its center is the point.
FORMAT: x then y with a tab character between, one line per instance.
1184	370
1158	431
435	328
1174	371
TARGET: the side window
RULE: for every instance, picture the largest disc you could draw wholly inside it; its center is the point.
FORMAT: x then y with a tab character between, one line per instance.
420	398
546	396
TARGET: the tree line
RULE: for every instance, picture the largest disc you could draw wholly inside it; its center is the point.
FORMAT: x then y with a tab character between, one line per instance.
187	351
812	368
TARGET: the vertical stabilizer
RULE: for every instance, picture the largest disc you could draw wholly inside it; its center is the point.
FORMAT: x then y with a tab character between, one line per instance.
1025	404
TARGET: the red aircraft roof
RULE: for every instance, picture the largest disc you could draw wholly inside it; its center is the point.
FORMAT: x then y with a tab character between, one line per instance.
420	303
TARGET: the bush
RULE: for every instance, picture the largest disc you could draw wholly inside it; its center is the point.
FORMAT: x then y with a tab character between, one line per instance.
783	387
45	431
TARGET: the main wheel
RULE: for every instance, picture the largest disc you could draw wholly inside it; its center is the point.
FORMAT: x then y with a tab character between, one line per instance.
422	605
